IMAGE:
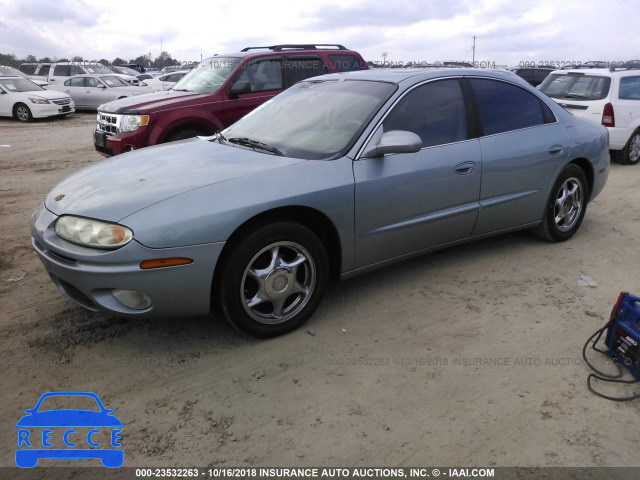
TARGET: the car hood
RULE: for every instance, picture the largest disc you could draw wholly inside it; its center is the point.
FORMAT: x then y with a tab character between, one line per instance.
69	418
151	101
48	94
115	188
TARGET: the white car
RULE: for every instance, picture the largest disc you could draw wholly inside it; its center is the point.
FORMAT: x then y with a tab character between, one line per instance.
90	91
24	100
162	82
607	97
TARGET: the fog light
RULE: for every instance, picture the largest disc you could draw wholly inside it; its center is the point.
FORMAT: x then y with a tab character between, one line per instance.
132	299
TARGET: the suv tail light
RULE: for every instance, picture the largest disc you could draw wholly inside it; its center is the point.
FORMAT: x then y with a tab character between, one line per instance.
608	118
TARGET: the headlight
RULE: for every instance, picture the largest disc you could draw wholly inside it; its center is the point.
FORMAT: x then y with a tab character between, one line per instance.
92	233
39	100
131	122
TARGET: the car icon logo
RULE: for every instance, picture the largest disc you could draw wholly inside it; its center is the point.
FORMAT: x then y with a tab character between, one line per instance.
69	433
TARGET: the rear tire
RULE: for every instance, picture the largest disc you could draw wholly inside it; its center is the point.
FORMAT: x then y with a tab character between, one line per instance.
566	206
630	154
22	113
272	281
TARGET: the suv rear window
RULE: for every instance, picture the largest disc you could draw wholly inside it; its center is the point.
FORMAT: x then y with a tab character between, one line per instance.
576	86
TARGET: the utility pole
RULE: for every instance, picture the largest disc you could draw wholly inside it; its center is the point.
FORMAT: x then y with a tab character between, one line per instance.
474	50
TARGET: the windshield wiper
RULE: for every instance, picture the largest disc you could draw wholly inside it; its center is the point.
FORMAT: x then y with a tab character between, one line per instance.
256	145
180	90
219	137
575	95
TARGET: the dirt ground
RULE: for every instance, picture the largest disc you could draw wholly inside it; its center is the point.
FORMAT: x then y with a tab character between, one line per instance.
467	357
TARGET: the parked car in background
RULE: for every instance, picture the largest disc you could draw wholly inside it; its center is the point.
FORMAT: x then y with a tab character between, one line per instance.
55	74
134	66
604	96
127	74
24	100
533	75
162	82
90	91
218	92
337	175
12	72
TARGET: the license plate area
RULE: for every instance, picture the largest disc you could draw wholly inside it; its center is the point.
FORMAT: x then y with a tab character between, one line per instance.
99	138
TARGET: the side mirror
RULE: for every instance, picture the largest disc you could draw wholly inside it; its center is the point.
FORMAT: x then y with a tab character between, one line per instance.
2	92
100	85
239	87
395	141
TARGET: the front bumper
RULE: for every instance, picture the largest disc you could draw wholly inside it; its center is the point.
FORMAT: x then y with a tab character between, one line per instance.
88	276
50	109
110	145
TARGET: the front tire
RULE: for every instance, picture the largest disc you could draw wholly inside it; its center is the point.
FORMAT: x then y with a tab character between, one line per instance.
630	154
22	113
273	280
566	206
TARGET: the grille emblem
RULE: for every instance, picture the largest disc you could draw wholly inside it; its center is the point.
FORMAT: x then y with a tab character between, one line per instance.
58	198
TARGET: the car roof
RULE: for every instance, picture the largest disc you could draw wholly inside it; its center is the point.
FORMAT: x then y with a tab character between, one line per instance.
288	49
420	74
600	71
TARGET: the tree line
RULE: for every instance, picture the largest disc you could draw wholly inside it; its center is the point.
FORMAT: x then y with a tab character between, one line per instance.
161	61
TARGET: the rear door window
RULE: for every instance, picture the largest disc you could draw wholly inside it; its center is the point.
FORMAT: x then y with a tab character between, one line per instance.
263	75
61	71
301	68
504	107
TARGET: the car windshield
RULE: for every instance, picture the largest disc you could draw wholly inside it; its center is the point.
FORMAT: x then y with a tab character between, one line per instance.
208	76
19	84
126	71
113	81
576	86
97	68
11	72
65	402
313	119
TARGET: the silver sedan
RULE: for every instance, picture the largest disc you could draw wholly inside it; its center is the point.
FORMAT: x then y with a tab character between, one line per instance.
336	176
90	91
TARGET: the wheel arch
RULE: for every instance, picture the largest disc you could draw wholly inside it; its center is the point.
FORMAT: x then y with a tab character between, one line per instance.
203	127
311	218
587	168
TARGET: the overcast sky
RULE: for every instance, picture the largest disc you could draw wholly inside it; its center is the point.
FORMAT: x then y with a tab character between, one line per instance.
508	31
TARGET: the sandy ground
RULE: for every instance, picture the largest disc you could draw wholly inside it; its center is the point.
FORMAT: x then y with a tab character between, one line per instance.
470	356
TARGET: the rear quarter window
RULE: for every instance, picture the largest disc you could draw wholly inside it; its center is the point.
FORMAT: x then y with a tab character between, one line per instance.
629	88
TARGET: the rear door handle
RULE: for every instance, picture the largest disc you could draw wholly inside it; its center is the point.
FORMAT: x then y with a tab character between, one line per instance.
465	168
555	150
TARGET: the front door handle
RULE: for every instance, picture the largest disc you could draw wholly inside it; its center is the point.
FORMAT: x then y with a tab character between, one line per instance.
465	168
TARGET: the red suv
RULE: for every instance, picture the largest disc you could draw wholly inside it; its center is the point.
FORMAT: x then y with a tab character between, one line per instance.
221	90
